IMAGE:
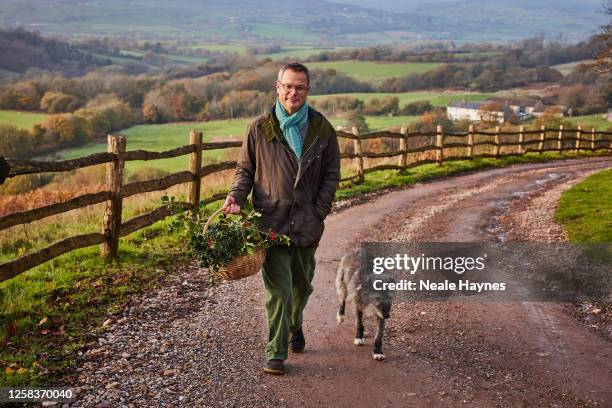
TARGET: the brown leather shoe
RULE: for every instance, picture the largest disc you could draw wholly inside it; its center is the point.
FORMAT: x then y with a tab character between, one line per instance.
274	366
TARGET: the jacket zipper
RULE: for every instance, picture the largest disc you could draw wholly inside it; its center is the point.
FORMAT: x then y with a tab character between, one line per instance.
293	156
295	159
314	142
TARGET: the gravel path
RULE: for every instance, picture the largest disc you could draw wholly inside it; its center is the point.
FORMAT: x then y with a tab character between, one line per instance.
531	218
189	344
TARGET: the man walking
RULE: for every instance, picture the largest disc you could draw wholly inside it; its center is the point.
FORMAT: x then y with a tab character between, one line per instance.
291	162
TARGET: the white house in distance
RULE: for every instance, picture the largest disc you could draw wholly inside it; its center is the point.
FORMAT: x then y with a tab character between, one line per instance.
464	110
522	108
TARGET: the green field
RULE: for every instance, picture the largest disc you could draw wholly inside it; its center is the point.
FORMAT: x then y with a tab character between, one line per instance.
288	32
166	137
586	209
472	55
169	136
436	98
587	122
238	48
24	120
300	52
182	59
376	123
375	71
293	51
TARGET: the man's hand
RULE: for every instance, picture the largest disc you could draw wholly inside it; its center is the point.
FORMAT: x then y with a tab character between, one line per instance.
230	206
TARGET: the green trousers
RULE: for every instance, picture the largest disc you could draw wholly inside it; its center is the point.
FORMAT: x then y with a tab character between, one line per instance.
287	276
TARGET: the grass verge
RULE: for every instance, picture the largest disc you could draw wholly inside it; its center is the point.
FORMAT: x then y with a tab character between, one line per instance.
585	210
51	311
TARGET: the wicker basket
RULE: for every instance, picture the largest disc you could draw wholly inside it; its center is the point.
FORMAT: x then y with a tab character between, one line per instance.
242	267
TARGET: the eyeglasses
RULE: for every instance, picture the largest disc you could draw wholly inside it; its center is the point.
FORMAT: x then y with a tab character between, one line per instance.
298	88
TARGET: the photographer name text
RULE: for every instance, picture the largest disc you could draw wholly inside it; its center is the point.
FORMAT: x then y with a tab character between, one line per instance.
426	285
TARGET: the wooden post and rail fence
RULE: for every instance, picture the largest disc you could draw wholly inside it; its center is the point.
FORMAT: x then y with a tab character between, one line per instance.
574	140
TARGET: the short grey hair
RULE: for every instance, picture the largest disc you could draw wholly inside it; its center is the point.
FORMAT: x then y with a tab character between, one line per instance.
297	67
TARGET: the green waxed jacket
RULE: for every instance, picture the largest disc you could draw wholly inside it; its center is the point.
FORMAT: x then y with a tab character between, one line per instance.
294	196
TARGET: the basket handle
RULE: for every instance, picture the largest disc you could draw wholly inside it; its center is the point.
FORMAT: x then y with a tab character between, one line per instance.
213	215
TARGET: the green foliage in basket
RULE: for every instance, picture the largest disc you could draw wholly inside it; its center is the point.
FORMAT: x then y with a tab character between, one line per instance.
224	240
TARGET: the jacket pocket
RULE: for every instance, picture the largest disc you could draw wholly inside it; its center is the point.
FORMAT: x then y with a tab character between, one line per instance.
269	211
312	227
266	205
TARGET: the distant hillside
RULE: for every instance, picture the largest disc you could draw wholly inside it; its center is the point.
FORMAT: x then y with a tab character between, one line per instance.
482	20
246	20
492	20
30	50
316	21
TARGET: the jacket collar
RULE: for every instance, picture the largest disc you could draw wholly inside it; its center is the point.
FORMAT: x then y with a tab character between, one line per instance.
317	126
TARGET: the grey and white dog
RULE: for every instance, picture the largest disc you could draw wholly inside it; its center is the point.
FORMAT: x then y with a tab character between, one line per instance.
349	288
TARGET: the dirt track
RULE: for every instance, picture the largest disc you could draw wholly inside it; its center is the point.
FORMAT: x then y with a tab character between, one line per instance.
206	344
506	354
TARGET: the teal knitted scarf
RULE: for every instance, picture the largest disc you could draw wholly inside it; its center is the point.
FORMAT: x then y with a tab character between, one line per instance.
291	125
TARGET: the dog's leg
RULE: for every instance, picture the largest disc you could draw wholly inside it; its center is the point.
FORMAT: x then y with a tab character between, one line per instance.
359	336
340	315
378	353
341	291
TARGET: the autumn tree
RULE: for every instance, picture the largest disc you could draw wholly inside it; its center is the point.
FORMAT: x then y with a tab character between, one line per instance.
356	119
150	113
492	113
65	130
389	105
15	142
332	104
57	102
416	108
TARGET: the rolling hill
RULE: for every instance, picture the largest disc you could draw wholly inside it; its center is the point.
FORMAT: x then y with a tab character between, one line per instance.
291	21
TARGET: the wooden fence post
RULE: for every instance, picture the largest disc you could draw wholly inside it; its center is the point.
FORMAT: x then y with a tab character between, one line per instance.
560	139
497	141
439	144
542	137
470	150
195	167
578	137
593	133
113	208
359	152
521	139
403	147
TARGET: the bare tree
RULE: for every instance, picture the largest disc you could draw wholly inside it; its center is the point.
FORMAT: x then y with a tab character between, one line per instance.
603	59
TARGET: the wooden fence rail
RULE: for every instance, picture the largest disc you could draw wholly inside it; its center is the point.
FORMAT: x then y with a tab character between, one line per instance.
113	227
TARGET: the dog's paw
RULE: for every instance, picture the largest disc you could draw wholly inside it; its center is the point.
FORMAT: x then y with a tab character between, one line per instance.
379	356
340	318
358	342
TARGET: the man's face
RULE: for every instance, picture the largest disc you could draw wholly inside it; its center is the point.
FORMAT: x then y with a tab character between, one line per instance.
292	90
